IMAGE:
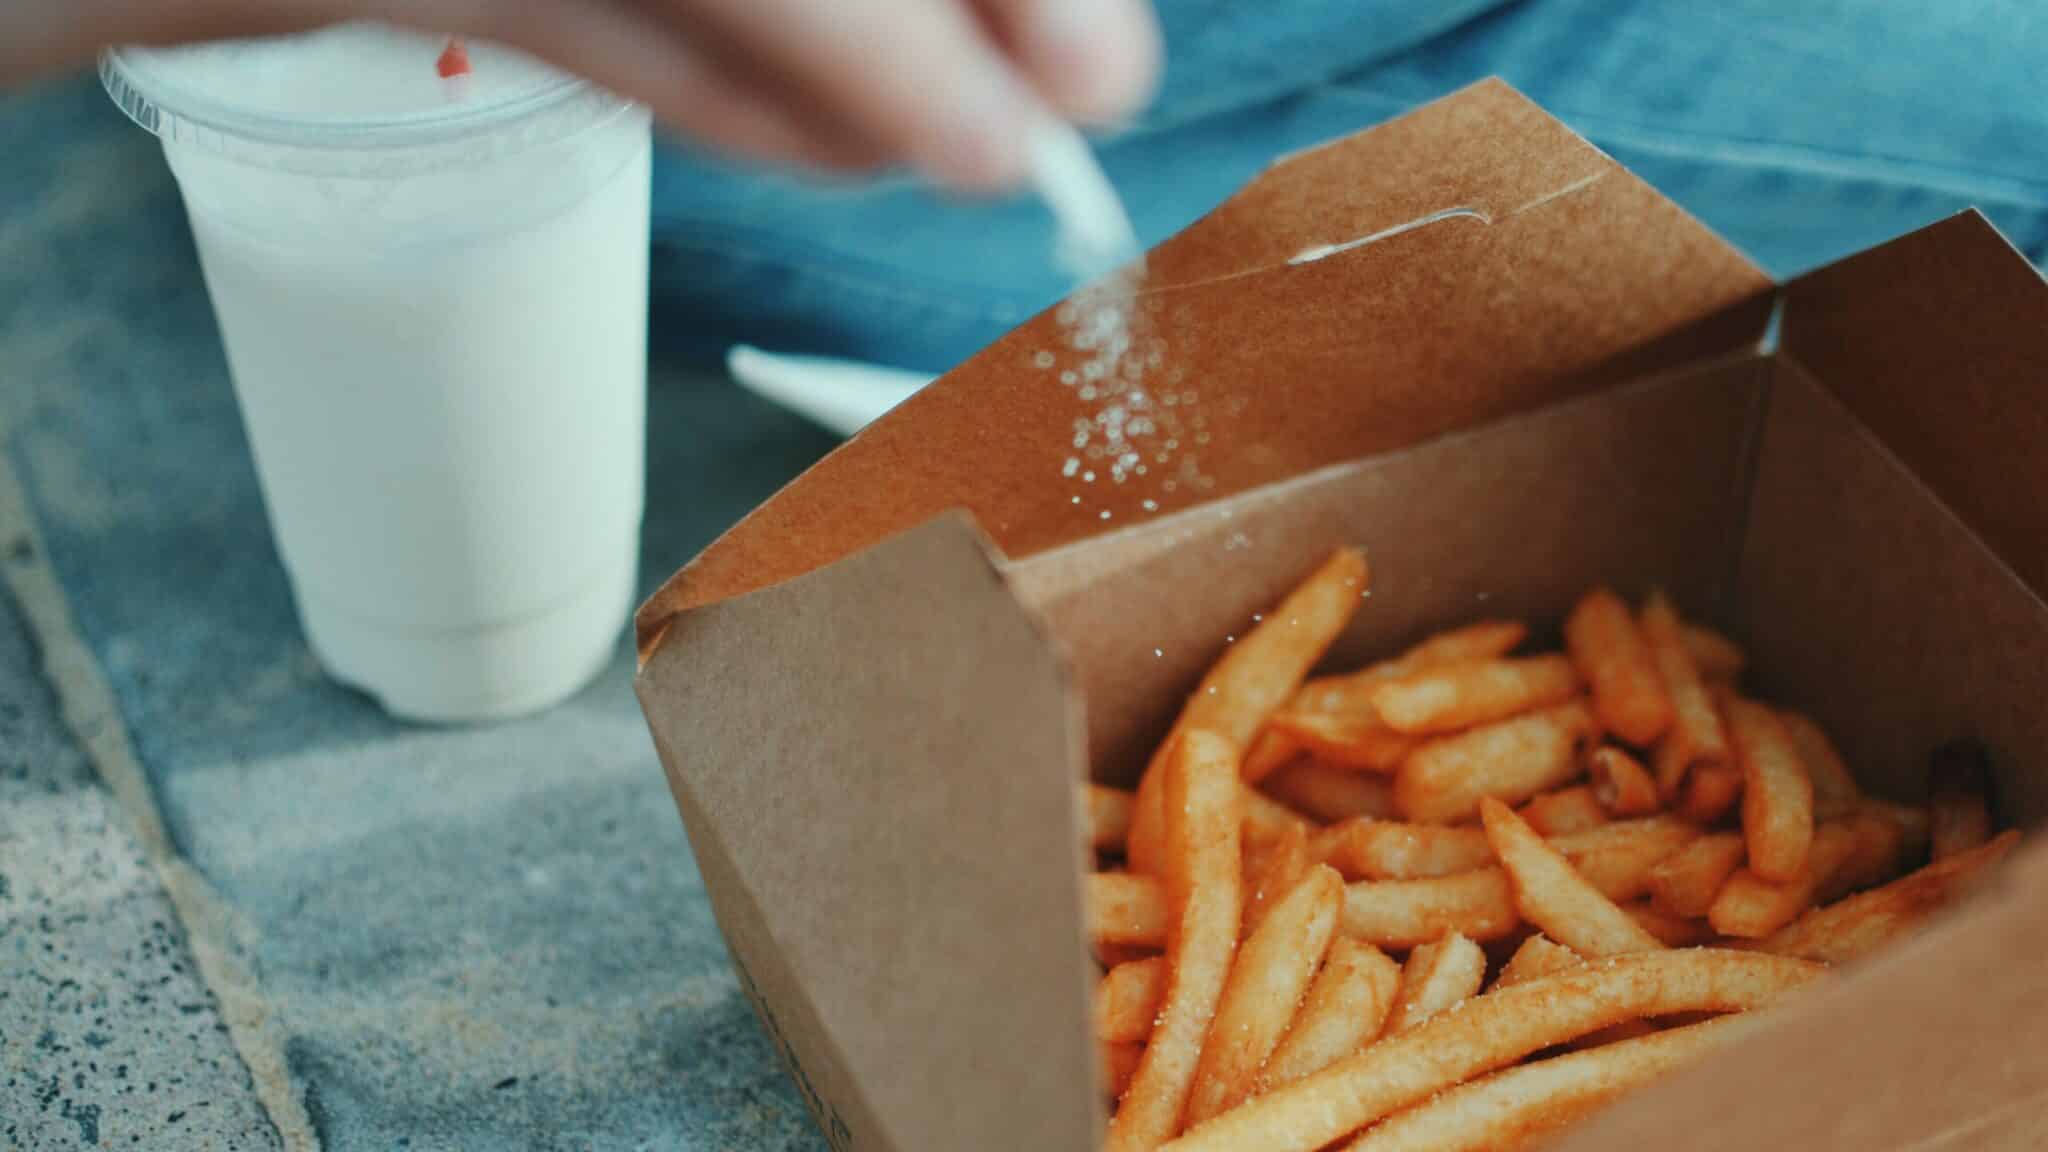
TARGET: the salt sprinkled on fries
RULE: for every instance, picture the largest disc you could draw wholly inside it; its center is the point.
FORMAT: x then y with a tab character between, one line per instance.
1439	976
1493	1031
1318	868
1203	824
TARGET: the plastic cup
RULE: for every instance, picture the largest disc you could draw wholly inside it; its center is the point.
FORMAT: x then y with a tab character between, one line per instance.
433	296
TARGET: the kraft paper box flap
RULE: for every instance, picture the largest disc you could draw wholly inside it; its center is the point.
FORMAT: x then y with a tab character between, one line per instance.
1938	341
1554	271
880	764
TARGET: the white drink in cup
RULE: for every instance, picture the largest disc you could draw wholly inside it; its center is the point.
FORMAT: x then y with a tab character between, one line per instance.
433	297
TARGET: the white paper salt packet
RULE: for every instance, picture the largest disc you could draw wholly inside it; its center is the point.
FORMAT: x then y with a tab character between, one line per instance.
1095	233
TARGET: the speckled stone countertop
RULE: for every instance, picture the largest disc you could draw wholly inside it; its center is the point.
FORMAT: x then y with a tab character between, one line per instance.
239	908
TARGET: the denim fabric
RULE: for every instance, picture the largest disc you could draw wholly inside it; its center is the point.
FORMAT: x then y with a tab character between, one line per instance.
1802	132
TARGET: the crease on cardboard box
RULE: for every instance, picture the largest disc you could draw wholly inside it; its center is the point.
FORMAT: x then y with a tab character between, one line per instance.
1317	252
1889	329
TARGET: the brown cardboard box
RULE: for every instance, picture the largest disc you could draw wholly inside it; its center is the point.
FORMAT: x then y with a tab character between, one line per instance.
872	709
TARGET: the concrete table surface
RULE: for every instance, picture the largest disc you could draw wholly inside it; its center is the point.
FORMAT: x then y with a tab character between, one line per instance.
239	907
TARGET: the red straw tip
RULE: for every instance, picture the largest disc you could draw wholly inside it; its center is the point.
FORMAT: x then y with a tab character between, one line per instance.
454	61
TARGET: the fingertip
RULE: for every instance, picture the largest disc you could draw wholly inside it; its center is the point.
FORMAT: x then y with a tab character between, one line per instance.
978	142
1096	61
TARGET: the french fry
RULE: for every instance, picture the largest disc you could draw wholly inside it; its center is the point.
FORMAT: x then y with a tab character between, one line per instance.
1696	735
1715	656
1749	907
1274	874
1492	1031
1272	973
1483	640
1109	955
1253	678
1852	928
1106	814
1360	740
1538	956
1958	808
1331	794
1874	858
1437	975
1671	767
1202	799
1835	794
1512	760
1686	882
1343	739
1400	914
1388	850
1345	1010
1777	798
1479	640
1119	1062
1612	1034
1664	829
1610	652
1517	1106
1271	751
1564	811
1125	908
1672	931
1621	783
1127	999
1552	895
1267	819
1461	696
1915	827
1350	693
1711	793
1334	710
1616	858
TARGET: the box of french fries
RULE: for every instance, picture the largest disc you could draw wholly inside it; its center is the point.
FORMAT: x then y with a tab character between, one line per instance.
1588	694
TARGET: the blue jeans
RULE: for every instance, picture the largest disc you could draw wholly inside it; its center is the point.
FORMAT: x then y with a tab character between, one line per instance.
1801	131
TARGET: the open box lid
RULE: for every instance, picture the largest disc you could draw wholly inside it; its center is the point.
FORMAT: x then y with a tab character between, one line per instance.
1545	270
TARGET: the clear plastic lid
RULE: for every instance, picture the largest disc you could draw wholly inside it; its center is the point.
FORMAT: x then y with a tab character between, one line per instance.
349	99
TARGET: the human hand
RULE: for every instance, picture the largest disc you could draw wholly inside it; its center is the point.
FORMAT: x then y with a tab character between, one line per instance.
947	86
